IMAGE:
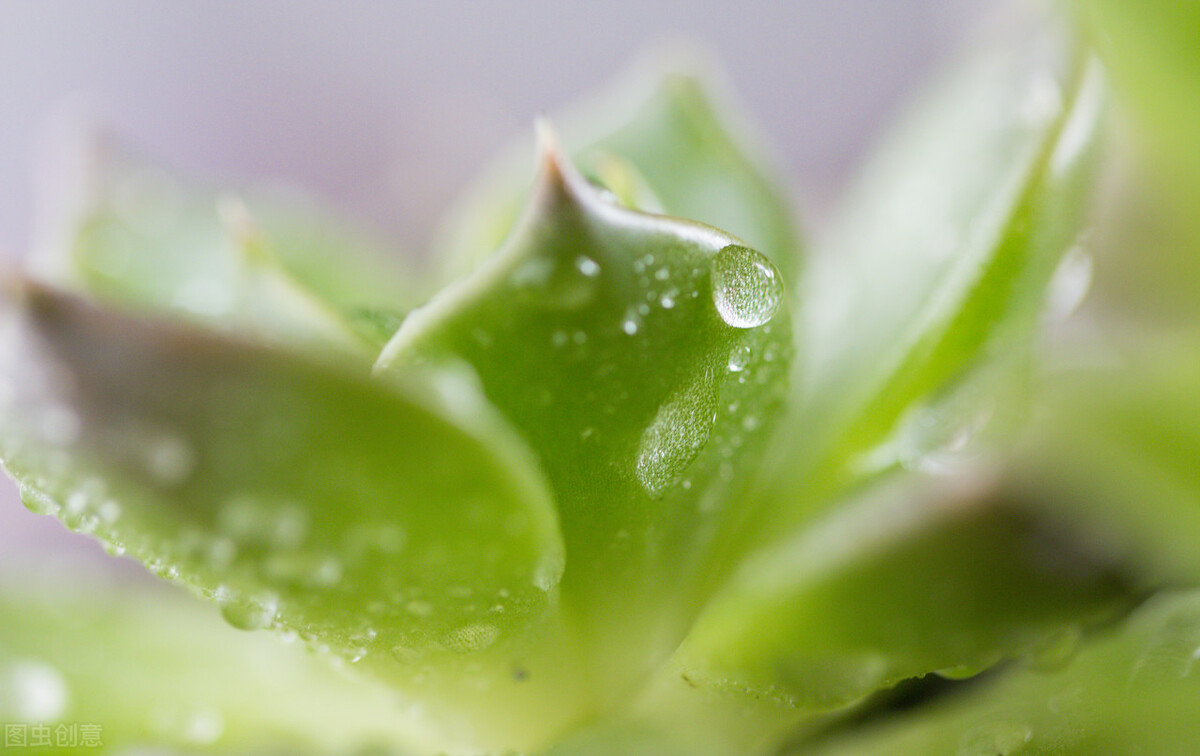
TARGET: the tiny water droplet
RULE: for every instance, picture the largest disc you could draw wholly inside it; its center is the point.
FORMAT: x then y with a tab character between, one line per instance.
471	638
739	358
36	500
965	671
1069	285
170	460
555	282
587	266
746	287
1055	651
247	612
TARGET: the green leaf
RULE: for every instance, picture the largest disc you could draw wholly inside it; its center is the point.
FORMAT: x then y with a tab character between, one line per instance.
269	262
643	359
1134	692
1115	450
400	525
663	139
919	575
134	669
1150	49
938	261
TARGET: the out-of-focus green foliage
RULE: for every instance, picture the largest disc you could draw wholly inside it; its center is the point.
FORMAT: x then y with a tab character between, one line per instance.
630	483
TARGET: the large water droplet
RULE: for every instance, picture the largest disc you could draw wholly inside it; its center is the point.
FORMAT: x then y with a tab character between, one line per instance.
676	435
746	287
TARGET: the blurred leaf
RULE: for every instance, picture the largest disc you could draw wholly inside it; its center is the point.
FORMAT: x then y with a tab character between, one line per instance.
643	359
150	669
268	262
1134	692
919	575
939	259
402	525
1150	49
1116	448
663	142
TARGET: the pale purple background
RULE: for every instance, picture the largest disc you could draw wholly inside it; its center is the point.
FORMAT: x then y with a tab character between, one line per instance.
386	108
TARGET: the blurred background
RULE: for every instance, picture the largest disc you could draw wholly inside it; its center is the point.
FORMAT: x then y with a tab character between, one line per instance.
386	109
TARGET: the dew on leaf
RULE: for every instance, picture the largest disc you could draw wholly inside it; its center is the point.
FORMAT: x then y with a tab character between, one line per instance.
587	266
1055	651
471	638
170	460
675	436
1069	285
739	358
36	500
247	612
746	287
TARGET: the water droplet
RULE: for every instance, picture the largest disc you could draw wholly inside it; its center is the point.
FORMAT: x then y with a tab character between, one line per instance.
170	460
37	500
587	266
550	281
247	612
471	638
965	671
676	435
1056	650
33	691
1069	286
739	358
746	287
630	324
662	274
668	298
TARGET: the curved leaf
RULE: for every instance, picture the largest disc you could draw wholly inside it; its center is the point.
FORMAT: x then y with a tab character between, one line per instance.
643	359
664	139
938	262
1115	449
401	526
120	669
1150	49
914	578
266	261
1135	692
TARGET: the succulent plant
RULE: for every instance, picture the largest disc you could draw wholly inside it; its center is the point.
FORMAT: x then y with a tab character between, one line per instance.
628	470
